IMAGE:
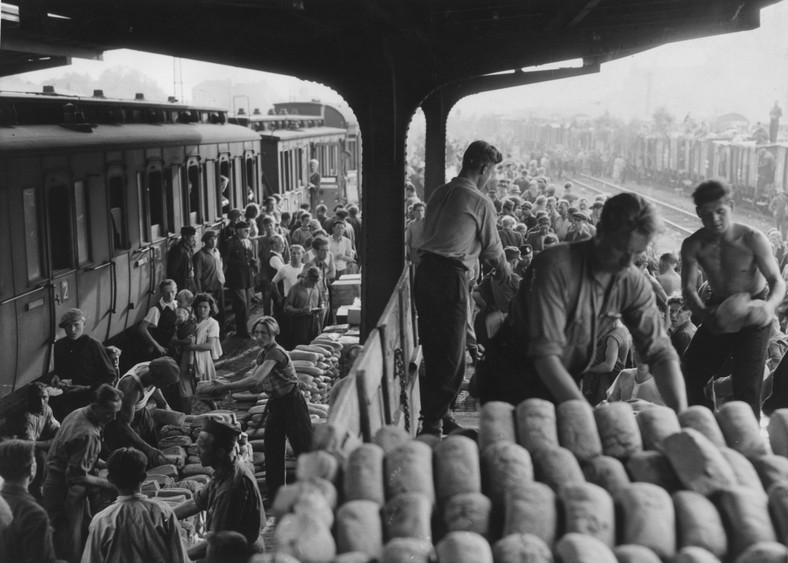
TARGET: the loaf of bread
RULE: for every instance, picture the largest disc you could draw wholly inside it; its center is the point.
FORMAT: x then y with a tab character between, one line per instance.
535	422
588	509
741	429
277	557
363	474
408	515
764	552
580	548
505	465
745	517
311	501
657	423
306	538
463	547
607	472
631	553
778	507
532	509
406	550
618	429
496	424
408	469
695	555
651	466
647	518
702	419
456	468
778	432
318	463
746	475
468	512
359	528
698	463
556	466
577	430
521	548
771	469
390	437
288	495
698	524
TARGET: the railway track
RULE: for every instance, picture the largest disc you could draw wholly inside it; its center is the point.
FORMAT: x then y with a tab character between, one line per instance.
679	220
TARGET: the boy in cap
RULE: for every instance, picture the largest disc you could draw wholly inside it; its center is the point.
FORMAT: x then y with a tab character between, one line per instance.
82	359
242	265
231	499
134	425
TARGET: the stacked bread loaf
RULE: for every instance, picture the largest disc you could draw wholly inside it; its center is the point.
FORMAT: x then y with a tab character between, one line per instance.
566	484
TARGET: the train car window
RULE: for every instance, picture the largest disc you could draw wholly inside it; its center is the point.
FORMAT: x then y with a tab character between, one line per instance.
59	227
250	174
32	234
209	190
6	272
117	211
224	185
172	187
156	206
190	195
301	167
83	234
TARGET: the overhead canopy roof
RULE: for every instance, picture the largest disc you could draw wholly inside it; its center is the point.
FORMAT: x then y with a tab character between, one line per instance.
423	43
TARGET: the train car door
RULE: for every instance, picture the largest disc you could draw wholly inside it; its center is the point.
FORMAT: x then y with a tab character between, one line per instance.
121	252
33	322
61	243
8	314
95	274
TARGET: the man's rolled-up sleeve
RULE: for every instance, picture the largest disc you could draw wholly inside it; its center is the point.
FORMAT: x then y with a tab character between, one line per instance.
646	323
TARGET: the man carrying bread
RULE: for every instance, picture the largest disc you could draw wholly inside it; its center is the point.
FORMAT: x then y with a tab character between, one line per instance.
570	296
746	288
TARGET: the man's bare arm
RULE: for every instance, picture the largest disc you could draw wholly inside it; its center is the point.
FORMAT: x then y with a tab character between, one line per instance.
689	278
670	382
557	379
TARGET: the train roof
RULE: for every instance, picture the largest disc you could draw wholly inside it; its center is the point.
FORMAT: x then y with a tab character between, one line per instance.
49	138
99	98
290	134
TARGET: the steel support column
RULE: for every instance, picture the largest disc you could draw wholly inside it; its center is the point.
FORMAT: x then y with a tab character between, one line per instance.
383	119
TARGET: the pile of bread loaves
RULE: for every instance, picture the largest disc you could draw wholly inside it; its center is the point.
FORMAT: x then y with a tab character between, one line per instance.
544	484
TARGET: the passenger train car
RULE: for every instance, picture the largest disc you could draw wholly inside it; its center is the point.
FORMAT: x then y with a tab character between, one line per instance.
294	133
92	194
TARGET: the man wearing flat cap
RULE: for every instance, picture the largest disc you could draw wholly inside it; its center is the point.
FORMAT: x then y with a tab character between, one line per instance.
82	359
231	500
581	229
179	260
134	426
536	238
241	267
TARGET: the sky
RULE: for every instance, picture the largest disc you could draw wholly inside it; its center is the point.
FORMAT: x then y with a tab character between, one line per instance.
742	72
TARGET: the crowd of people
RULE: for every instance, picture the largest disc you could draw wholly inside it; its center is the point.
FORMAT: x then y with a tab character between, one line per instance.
563	297
54	505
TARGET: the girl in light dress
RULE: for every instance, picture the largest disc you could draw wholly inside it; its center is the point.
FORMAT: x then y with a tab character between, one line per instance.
206	347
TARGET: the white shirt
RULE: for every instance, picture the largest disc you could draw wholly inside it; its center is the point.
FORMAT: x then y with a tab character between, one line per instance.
289	276
154	315
339	248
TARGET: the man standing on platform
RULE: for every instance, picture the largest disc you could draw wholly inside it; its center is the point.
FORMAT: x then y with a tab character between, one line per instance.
209	273
459	228
179	260
746	288
242	266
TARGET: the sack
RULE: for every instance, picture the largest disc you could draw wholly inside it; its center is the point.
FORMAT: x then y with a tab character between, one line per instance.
352	268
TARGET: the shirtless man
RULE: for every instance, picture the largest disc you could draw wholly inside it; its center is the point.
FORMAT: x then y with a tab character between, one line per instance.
735	259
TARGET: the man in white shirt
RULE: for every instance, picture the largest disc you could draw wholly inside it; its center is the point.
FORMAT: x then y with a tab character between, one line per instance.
341	247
